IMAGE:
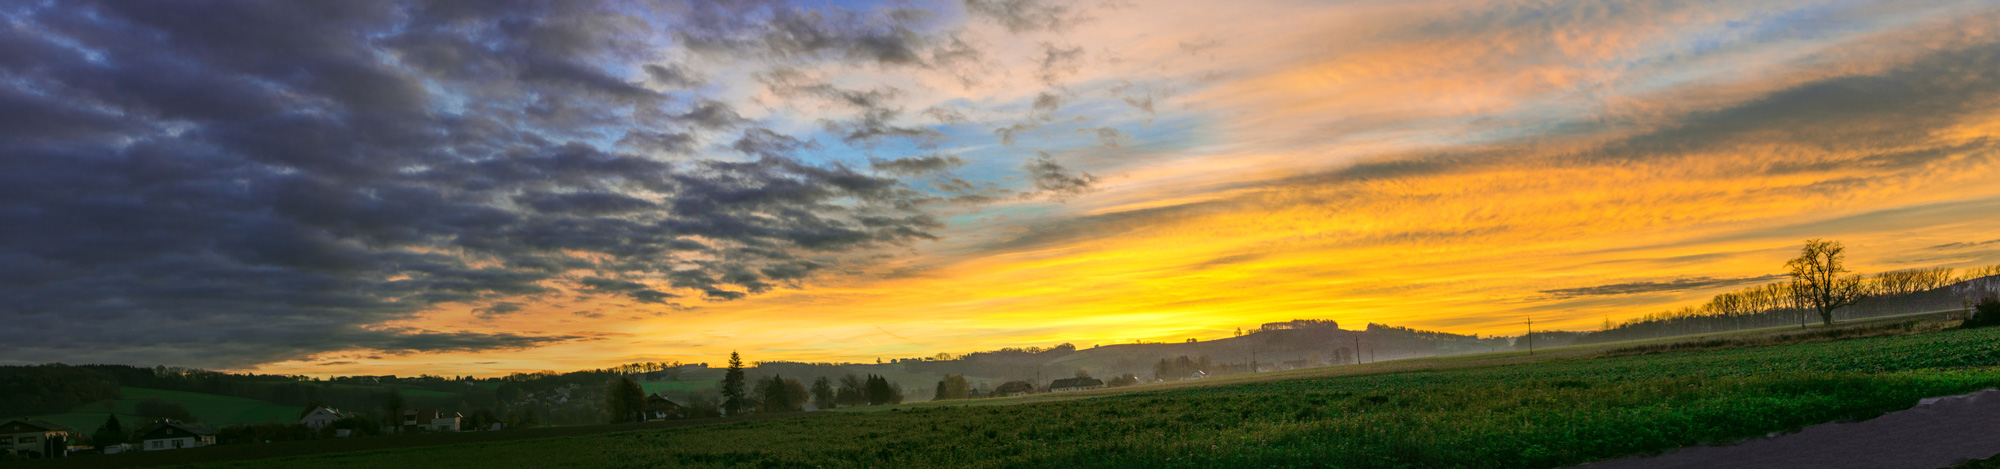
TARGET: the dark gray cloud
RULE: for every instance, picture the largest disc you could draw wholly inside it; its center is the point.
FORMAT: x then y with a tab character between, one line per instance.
673	75
874	119
1631	288
778	30
1109	137
231	183
1022	16
1054	181
1058	62
497	309
917	165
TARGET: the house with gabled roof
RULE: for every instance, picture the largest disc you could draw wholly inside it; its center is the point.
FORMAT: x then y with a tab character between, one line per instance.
34	438
175	434
658	407
321	417
435	420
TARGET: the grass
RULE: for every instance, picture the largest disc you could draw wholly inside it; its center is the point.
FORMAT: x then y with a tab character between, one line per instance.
1561	407
210	409
679	386
1788	336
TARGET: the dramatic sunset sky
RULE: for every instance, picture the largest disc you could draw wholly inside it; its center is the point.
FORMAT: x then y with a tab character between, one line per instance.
482	187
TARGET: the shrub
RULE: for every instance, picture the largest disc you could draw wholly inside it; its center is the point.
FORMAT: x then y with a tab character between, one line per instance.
1986	313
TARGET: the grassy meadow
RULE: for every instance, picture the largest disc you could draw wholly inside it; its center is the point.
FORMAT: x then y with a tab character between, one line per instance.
1561	407
681	386
211	409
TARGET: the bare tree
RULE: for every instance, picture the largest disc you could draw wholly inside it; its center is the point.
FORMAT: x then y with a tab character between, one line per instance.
1795	298
1818	268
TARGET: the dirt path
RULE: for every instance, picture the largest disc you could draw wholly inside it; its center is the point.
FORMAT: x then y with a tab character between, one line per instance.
1939	432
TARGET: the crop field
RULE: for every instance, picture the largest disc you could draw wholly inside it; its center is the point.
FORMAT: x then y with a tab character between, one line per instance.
211	409
1564	409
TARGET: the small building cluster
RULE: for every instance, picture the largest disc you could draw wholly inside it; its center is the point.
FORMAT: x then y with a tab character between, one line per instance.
33	438
431	420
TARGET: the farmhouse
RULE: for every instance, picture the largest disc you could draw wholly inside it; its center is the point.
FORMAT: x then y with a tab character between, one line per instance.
173	434
34	438
321	417
1075	384
1013	388
431	420
659	408
1197	374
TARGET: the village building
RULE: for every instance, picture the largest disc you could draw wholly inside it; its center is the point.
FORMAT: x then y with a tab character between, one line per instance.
1013	388
1076	384
34	438
174	434
321	417
431	420
659	408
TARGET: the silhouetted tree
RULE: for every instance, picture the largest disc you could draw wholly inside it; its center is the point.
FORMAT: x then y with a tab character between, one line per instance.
110	434
823	394
393	403
732	386
1819	267
880	391
853	391
780	395
481	419
953	387
1985	314
625	400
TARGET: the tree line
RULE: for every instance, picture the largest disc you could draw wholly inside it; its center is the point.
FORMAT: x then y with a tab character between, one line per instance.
1817	287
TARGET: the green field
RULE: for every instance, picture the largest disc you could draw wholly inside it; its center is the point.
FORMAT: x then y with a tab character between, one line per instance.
1558	408
679	386
211	409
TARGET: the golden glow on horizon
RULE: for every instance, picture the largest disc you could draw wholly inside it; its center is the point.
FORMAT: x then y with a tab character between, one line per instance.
1228	237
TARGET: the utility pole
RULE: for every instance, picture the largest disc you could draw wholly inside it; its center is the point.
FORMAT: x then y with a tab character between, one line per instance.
1531	335
1253	361
1357	349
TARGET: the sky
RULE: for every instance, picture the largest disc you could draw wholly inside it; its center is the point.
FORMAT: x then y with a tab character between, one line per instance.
487	187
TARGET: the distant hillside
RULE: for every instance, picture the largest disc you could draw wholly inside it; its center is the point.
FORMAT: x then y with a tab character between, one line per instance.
1282	345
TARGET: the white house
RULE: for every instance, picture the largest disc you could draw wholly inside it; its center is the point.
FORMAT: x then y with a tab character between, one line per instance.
172	434
431	420
34	438
321	417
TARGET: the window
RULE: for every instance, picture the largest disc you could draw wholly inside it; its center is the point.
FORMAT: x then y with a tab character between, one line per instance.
25	440
156	444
